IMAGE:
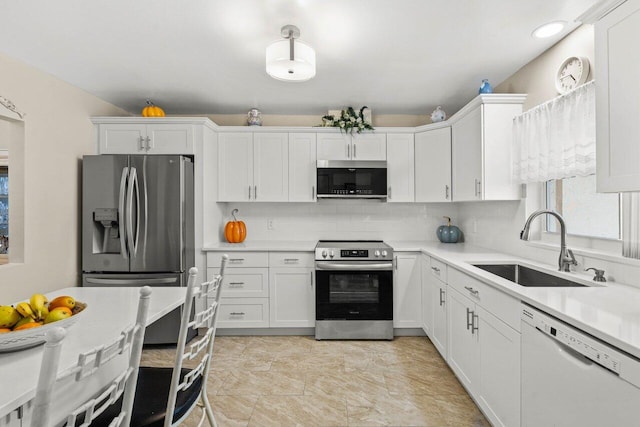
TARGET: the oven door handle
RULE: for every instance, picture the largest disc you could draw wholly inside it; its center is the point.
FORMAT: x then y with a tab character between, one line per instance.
325	265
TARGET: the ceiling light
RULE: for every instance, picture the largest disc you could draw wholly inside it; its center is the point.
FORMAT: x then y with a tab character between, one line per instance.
290	59
548	29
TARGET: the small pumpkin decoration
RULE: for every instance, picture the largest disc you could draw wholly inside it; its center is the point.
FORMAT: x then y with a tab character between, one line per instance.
235	231
448	233
152	110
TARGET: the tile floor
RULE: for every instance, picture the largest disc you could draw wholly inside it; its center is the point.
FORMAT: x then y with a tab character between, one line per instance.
298	381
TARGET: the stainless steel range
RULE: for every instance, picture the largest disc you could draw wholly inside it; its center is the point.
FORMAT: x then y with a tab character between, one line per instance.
354	290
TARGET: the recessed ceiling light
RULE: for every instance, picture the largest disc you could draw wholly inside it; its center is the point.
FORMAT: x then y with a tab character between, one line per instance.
549	29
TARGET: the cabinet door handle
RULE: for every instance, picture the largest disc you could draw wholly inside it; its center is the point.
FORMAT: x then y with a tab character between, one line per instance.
474	292
469	318
313	192
237	313
474	325
446	192
478	187
142	147
148	143
389	192
311	282
291	260
249	192
436	269
354	150
395	261
348	151
236	259
236	283
441	297
255	192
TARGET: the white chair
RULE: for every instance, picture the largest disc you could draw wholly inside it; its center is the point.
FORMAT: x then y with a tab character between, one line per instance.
167	396
95	361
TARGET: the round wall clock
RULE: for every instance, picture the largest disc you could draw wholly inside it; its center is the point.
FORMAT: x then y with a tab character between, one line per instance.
572	73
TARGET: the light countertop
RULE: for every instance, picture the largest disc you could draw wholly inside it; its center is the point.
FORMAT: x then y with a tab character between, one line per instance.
262	246
610	312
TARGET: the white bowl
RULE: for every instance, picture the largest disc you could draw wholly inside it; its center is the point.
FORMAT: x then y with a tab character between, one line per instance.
27	338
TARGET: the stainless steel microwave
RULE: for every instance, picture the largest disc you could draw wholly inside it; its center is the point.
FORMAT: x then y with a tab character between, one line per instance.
351	179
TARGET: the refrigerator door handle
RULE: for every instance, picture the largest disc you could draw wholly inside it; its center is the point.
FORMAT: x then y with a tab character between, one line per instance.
121	212
132	282
133	186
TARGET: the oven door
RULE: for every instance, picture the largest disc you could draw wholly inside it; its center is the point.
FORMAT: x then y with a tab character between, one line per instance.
354	291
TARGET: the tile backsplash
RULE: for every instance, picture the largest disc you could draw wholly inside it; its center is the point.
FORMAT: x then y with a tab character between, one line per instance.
339	219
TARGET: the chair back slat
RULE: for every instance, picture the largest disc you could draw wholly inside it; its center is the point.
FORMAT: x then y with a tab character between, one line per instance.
128	345
205	297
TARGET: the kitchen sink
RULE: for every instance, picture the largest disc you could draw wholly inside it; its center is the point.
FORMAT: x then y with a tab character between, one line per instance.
525	276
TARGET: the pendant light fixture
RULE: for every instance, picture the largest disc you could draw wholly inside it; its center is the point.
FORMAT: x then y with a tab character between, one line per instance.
289	59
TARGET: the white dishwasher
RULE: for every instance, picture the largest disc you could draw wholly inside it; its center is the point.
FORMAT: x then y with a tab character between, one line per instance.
570	378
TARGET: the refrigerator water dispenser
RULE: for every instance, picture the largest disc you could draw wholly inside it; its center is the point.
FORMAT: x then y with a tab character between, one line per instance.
106	238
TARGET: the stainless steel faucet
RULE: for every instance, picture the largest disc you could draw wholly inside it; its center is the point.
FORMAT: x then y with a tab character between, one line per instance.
566	258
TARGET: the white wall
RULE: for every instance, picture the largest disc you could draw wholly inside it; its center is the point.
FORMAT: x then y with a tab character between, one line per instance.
337	219
57	133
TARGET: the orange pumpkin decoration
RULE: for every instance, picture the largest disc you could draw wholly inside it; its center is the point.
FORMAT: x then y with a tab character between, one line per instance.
152	110
235	231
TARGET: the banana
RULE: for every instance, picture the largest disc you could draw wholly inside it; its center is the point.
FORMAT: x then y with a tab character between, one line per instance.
37	303
25	309
8	316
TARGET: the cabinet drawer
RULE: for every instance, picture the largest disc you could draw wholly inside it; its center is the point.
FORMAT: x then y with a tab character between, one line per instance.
239	259
438	269
245	282
291	259
498	303
244	313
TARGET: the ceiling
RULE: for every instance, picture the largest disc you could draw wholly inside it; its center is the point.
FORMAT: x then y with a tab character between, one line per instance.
208	56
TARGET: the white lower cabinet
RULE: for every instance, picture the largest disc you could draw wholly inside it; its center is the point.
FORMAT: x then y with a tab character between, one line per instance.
499	395
244	313
427	296
12	419
484	346
407	300
244	299
292	297
440	331
464	348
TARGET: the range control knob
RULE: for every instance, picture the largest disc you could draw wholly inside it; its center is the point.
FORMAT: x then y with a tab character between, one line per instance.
324	254
384	254
376	254
331	254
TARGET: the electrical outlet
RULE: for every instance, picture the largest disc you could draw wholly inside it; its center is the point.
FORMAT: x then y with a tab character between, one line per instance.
269	224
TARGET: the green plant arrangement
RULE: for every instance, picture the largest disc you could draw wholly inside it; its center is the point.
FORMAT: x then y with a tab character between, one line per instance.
348	120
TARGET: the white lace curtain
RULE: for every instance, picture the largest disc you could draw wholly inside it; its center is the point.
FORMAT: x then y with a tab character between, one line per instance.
557	139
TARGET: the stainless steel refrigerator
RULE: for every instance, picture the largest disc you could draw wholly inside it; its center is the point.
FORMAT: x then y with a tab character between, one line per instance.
138	226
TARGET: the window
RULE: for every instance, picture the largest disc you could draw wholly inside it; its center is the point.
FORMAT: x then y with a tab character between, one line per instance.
586	212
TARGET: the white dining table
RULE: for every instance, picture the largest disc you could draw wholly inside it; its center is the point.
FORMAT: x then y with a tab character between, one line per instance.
108	312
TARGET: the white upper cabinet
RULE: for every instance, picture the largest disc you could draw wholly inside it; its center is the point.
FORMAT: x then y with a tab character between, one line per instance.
253	167
369	146
618	99
142	137
235	167
400	177
433	165
271	167
481	149
302	167
365	146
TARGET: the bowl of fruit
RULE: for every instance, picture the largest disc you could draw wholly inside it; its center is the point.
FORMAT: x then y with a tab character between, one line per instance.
24	325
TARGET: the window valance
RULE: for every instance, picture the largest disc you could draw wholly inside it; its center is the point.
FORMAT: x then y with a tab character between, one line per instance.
556	139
